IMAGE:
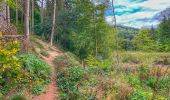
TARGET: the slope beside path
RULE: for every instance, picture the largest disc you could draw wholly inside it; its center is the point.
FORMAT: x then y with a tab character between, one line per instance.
51	91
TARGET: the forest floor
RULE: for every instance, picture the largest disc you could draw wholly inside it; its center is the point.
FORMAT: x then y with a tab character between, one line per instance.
51	91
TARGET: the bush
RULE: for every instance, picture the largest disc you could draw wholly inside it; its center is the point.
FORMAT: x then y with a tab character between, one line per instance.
124	92
44	29
10	65
38	88
163	61
1	96
130	58
156	79
69	81
95	63
18	97
39	70
144	72
134	81
75	83
36	66
140	94
69	77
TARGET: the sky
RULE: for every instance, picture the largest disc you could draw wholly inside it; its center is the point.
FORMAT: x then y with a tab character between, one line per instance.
136	13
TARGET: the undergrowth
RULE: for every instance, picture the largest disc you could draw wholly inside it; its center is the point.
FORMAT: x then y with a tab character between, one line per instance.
21	71
99	79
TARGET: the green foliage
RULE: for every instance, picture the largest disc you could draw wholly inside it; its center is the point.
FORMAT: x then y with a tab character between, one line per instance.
125	37
36	65
39	70
140	94
93	62
69	84
143	40
161	84
18	97
75	82
44	29
163	35
154	79
38	87
134	81
1	96
157	39
20	71
129	58
85	31
144	72
69	77
149	83
10	65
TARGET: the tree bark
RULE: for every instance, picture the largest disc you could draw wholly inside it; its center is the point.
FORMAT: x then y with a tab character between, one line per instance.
32	16
3	13
116	33
7	13
16	12
26	22
42	11
53	27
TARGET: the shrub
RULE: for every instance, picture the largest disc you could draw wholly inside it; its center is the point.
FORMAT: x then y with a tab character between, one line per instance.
69	81
124	91
10	65
1	96
36	66
156	79
144	72
163	61
38	88
134	81
67	60
39	70
140	94
18	97
131	58
69	77
43	29
94	63
75	83
20	71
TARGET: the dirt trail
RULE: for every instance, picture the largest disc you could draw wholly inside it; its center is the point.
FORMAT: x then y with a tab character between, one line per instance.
51	91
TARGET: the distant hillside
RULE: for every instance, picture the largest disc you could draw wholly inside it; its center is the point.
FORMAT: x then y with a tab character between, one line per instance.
127	32
162	14
126	35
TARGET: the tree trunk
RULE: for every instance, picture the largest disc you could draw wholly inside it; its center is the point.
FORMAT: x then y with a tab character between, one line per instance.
7	13
42	11
32	16
94	23
26	22
3	13
116	33
53	27
16	12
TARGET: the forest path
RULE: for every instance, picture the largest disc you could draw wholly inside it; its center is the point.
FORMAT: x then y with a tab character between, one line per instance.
51	91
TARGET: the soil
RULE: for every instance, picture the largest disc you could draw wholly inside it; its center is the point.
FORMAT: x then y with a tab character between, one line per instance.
51	91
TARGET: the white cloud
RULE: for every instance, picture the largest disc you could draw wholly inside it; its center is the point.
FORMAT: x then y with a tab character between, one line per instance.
129	18
154	4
